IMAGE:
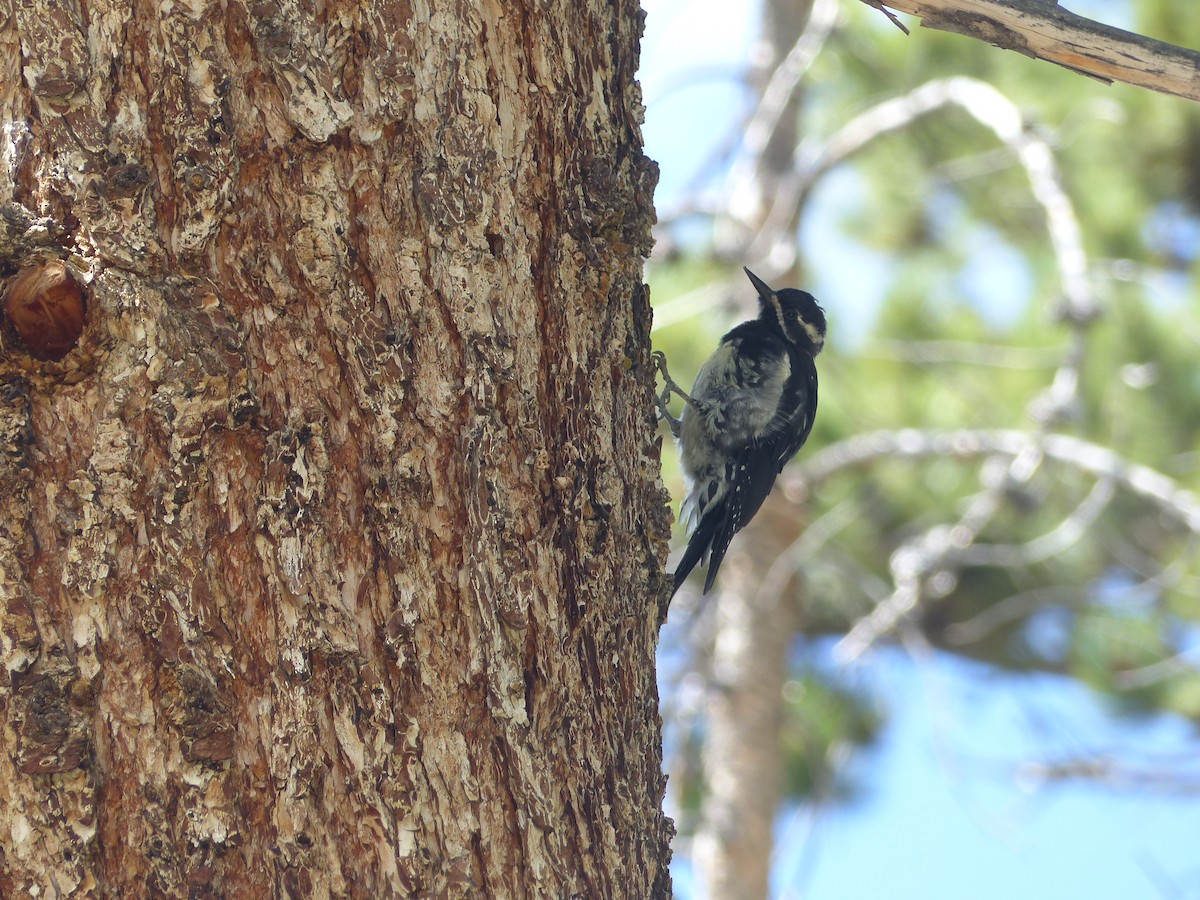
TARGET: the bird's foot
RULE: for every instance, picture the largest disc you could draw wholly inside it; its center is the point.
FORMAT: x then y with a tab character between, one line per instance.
669	387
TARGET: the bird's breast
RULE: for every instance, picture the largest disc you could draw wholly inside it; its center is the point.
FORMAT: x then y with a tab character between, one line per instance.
737	397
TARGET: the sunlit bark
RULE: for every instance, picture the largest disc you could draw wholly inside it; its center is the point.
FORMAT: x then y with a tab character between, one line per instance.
331	556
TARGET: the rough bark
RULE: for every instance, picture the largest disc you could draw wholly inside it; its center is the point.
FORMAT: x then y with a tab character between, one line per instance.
1041	29
330	558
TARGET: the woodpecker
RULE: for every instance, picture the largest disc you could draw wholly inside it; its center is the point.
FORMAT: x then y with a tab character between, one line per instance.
749	412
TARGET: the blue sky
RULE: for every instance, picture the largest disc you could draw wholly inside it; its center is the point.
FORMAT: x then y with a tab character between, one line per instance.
944	813
947	815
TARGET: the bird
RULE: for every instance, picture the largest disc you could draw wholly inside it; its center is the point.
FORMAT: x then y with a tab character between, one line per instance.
749	412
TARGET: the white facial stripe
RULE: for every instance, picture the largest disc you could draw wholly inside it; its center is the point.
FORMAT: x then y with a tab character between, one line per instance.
783	325
814	335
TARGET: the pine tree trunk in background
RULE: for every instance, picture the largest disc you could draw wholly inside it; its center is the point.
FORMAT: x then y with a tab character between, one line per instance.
783	21
753	184
756	620
330	558
754	626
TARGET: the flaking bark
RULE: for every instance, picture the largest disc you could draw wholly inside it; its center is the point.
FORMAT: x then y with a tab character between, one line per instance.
330	558
1041	29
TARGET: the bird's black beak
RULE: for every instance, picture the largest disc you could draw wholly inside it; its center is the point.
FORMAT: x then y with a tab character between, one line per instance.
761	286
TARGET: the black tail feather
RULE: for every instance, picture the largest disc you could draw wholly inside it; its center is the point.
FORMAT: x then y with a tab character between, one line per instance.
711	537
725	525
696	548
714	563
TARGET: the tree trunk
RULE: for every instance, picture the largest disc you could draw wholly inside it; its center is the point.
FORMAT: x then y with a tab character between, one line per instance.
753	184
331	555
755	615
756	621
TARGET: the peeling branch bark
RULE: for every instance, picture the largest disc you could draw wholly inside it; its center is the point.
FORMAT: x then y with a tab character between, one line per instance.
1044	30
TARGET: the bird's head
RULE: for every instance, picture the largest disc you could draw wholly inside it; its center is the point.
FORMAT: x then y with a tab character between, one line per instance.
797	315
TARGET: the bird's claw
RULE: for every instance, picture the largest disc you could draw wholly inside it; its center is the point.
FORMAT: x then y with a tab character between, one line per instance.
669	387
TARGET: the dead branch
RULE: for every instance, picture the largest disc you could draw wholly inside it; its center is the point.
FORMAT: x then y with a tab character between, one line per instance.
1064	535
911	443
1043	30
772	105
924	565
991	109
974	353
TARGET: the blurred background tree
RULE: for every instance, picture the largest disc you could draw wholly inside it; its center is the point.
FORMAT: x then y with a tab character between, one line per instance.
1002	478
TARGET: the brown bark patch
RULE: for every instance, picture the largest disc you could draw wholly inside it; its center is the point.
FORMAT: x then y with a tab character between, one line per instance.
45	306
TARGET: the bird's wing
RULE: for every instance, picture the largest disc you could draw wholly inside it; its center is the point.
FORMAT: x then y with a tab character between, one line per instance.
753	475
797	412
726	500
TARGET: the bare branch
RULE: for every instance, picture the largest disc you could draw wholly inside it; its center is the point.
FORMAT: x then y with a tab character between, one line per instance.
1057	540
1018	606
693	303
1043	30
973	353
923	565
910	443
1171	576
878	4
1178	778
1011	609
993	110
774	102
1131	679
812	539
